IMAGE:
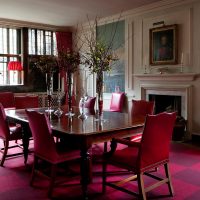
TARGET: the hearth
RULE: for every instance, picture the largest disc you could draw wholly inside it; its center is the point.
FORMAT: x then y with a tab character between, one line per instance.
169	103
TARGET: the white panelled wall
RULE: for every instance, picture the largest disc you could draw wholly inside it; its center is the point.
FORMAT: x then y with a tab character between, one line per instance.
185	13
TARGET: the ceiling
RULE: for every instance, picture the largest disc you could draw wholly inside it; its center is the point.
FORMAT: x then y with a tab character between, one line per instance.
64	12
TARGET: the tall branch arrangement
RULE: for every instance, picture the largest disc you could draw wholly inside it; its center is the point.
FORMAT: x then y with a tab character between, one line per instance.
45	63
98	55
69	61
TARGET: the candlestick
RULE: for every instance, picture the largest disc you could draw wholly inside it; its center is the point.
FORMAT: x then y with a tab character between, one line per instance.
182	60
182	57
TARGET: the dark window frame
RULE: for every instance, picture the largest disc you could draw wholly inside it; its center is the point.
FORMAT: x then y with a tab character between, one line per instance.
44	52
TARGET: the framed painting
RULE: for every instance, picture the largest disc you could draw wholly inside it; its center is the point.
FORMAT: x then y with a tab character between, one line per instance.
163	45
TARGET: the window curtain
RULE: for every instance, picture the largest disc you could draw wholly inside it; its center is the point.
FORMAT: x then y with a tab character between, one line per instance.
64	42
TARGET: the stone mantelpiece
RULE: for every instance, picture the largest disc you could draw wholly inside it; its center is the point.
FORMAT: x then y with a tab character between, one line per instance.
167	77
185	91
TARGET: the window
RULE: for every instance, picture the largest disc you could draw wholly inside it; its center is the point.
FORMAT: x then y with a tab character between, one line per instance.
10	49
41	42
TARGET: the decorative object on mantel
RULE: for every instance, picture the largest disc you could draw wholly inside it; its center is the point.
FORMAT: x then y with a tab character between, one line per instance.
164	45
175	77
47	64
99	59
69	61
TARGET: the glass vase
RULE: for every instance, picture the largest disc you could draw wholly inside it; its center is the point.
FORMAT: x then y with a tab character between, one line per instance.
69	94
99	90
59	111
49	84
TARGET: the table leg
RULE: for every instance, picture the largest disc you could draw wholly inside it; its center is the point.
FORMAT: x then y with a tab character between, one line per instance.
25	140
86	172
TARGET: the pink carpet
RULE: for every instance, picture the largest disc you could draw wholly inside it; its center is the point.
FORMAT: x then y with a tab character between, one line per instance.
184	165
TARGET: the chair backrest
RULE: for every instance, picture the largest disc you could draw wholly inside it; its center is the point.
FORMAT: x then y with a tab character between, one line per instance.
4	129
7	99
142	108
154	148
22	102
89	103
117	101
44	144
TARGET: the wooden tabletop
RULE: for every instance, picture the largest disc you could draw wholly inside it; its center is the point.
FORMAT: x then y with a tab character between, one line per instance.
113	121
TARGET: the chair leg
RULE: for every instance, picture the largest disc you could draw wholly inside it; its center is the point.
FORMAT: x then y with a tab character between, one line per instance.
105	148
35	162
104	165
142	194
171	190
6	145
53	176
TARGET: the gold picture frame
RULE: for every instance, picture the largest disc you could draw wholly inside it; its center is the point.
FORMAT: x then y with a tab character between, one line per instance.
164	45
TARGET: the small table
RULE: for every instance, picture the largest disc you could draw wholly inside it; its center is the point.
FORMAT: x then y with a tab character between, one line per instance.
82	133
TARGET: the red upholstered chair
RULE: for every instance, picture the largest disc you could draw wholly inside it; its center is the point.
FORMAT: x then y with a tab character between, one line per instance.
8	134
89	103
140	158
117	102
45	148
22	102
7	99
141	108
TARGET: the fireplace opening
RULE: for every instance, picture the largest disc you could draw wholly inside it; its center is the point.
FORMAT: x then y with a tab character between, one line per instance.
167	103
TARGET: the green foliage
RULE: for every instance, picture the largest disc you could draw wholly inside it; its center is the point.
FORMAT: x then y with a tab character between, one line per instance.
99	58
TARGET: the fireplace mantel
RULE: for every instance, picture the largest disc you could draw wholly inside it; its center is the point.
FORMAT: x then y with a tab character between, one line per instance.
167	77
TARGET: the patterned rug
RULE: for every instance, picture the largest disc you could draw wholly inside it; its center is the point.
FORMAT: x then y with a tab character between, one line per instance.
184	166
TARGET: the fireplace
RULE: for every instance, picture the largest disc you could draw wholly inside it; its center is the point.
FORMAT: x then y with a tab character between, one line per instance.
175	97
169	103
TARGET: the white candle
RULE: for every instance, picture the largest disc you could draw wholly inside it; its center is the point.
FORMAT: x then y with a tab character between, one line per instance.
145	60
182	57
58	81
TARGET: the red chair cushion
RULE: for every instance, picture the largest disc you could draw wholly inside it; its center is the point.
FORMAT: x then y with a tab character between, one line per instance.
126	157
117	102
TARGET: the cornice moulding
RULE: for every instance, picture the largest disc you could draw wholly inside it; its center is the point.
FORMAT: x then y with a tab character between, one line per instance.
20	24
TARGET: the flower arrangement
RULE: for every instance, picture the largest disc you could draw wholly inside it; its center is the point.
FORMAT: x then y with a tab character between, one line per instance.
99	58
69	61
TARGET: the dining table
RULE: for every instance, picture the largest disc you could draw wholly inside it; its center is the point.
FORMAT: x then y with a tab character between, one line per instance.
81	132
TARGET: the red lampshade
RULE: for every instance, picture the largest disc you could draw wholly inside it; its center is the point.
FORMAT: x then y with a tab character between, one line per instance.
15	65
